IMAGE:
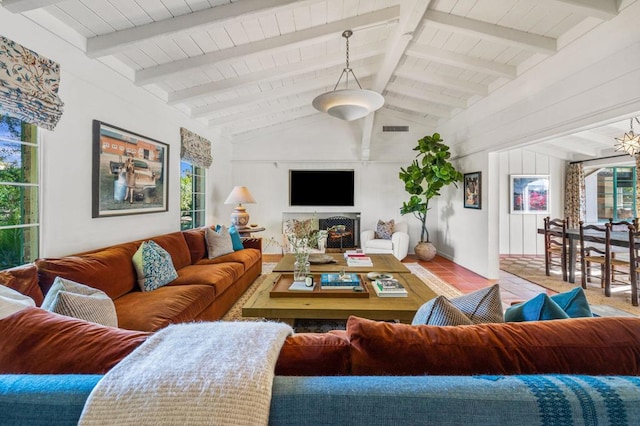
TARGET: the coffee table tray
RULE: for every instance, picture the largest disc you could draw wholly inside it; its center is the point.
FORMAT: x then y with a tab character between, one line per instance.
283	281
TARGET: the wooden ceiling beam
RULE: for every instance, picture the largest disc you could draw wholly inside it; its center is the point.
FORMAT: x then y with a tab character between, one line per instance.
405	90
19	6
496	33
445	81
108	44
268	46
602	9
419	106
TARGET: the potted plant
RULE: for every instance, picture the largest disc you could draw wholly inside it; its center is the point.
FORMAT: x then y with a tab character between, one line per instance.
423	180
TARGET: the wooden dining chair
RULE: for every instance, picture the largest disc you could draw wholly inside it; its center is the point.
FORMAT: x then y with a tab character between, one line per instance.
555	245
595	247
620	265
634	262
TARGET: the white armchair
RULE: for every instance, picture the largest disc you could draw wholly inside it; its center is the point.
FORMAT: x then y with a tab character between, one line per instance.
294	229
398	245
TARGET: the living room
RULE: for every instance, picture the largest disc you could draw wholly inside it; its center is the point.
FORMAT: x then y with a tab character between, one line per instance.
515	128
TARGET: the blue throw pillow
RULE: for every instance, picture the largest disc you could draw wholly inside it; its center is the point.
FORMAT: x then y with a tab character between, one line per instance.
235	238
540	308
574	303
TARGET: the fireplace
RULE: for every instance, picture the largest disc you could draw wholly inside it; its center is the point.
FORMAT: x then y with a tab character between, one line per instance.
344	232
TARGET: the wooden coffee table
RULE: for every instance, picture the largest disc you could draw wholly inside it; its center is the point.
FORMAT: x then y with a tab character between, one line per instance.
381	263
287	309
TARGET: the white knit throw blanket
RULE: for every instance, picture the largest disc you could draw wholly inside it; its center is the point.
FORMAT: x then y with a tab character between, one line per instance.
216	373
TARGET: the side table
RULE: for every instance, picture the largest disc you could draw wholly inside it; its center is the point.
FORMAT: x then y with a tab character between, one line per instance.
246	232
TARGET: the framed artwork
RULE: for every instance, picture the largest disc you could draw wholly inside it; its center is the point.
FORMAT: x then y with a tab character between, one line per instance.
529	194
472	190
130	173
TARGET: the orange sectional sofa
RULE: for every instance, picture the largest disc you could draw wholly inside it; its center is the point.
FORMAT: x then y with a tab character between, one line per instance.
204	290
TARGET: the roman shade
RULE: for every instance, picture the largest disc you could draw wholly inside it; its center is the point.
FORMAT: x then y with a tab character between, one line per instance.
29	85
195	149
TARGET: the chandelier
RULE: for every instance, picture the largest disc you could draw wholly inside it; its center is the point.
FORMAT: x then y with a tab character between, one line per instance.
630	142
348	104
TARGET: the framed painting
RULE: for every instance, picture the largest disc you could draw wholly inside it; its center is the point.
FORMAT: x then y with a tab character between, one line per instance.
472	190
529	194
130	173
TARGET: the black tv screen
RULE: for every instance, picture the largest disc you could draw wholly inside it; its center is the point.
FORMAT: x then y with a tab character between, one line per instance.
321	187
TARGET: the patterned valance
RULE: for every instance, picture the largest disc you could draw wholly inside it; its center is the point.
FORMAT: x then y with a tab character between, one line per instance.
195	149
29	85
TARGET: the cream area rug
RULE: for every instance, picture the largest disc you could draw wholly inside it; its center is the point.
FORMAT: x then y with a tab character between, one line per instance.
235	313
531	268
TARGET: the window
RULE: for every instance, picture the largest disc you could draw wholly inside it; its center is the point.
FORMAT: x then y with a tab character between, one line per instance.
19	192
192	196
616	193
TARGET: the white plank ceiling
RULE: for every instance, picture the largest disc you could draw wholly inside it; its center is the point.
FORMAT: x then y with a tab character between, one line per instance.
247	64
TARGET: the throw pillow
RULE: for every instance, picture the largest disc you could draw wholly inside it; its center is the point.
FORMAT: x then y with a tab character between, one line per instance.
72	299
481	306
574	303
540	308
12	301
384	230
440	311
218	242
236	241
154	266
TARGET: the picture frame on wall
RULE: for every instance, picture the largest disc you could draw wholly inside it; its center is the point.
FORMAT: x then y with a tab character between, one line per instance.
130	172
472	190
529	194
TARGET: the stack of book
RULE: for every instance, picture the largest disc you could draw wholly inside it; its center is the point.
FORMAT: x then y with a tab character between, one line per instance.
389	288
335	281
357	258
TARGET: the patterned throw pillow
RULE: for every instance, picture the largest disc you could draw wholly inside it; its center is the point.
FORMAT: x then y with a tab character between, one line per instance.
218	242
72	299
154	266
481	306
384	230
440	311
12	301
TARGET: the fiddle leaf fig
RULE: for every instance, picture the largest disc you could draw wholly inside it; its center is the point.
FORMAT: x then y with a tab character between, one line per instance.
426	176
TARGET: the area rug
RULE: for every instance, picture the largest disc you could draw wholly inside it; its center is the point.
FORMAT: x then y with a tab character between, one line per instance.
531	268
235	313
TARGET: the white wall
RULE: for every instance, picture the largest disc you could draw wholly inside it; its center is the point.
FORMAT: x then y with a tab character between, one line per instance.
91	91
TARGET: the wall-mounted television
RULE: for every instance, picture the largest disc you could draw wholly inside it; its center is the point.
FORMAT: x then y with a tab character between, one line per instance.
321	188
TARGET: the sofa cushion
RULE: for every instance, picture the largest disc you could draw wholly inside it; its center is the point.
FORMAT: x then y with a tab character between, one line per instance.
175	244
35	341
314	354
153	310
153	266
23	279
220	275
440	311
248	257
384	229
66	297
574	303
218	242
12	301
380	244
539	308
196	243
109	269
597	346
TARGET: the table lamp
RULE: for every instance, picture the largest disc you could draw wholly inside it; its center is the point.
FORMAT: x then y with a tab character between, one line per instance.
240	195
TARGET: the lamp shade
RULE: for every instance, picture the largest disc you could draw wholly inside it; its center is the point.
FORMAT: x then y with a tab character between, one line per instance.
349	104
240	195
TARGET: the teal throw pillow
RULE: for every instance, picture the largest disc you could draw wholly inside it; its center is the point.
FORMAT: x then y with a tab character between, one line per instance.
540	308
154	266
574	303
235	238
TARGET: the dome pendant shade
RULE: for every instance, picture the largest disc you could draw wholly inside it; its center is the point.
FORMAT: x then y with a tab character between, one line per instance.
348	104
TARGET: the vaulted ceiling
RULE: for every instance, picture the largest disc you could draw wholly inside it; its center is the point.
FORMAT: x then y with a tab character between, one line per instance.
247	64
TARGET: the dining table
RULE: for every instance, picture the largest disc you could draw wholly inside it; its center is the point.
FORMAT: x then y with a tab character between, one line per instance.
617	238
